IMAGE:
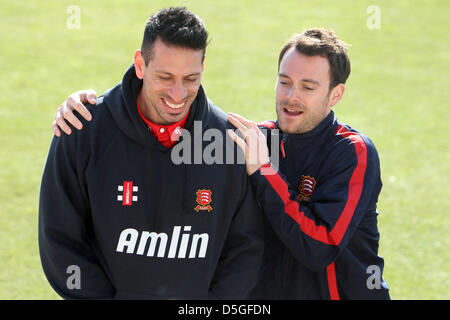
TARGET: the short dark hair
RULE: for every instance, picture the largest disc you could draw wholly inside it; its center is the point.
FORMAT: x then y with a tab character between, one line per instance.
175	26
325	43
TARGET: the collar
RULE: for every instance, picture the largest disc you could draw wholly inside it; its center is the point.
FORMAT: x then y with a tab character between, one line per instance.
167	135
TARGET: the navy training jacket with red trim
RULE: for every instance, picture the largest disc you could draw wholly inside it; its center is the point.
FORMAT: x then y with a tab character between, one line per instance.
118	218
321	211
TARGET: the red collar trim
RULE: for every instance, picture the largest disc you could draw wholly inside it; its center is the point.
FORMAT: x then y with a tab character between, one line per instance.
167	135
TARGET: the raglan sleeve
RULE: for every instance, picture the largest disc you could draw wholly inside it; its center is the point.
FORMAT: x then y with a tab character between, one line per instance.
238	268
67	257
316	231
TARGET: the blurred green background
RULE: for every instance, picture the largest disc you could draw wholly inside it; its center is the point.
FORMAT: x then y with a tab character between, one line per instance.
397	94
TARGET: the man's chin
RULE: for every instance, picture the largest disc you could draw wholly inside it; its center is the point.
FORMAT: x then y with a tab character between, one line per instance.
292	129
289	128
172	119
172	116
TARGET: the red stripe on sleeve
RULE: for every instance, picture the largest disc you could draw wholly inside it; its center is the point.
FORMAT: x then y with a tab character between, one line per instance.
307	225
332	284
291	207
355	185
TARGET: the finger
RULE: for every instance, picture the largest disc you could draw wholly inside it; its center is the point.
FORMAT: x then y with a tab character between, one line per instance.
82	110
253	127
263	151
74	101
238	124
91	96
69	116
56	130
243	133
54	124
243	120
253	133
83	95
252	143
259	132
238	140
63	125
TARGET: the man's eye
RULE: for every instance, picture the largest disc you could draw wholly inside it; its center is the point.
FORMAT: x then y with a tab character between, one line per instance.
191	79
283	83
309	88
164	78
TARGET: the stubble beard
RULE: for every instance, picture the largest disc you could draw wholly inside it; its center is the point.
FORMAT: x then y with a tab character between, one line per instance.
307	122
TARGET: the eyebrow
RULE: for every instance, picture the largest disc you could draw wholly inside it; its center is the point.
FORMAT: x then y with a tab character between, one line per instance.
194	74
302	80
169	74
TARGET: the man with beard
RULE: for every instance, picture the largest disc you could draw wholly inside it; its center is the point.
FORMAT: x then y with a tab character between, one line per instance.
321	200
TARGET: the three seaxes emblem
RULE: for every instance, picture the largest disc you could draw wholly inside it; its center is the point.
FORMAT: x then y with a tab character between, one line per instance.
203	200
306	188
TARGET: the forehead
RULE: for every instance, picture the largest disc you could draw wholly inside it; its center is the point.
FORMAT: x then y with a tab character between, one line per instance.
297	65
175	59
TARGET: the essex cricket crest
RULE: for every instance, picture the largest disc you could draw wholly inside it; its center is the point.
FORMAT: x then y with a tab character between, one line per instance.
306	188
203	200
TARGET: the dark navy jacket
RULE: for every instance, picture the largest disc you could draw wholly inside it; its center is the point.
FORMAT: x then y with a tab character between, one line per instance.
320	205
115	206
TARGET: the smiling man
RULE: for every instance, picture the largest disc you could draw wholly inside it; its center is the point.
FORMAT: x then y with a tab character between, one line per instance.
321	200
118	219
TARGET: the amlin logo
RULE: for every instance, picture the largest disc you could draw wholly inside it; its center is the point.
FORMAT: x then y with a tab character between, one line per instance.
198	243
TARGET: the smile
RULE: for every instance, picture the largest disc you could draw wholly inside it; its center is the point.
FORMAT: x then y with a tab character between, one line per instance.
173	106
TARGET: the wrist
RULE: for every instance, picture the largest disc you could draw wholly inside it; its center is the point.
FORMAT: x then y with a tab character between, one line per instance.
252	169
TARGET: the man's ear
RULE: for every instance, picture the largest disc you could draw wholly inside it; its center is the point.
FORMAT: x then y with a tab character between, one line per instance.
336	94
139	64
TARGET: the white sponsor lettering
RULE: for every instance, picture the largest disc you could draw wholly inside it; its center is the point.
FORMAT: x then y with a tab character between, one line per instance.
198	243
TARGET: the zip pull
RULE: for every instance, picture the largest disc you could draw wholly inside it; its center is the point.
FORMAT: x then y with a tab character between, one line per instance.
283	153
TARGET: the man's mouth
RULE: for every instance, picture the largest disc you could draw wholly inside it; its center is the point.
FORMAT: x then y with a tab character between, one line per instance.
175	107
292	112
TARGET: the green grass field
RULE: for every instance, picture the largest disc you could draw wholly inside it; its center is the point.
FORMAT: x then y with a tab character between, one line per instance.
397	94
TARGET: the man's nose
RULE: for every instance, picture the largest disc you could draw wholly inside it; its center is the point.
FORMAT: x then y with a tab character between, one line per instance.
294	95
177	92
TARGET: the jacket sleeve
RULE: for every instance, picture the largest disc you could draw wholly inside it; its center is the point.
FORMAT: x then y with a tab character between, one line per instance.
65	249
238	267
316	231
